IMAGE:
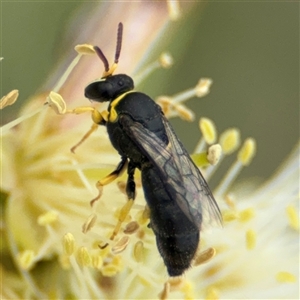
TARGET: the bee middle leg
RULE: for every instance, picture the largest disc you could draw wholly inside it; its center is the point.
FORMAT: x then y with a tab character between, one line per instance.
131	194
109	178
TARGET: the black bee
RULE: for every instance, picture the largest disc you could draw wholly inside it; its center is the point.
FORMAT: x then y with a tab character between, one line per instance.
178	196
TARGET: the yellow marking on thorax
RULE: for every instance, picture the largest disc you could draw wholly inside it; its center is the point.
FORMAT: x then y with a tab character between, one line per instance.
113	115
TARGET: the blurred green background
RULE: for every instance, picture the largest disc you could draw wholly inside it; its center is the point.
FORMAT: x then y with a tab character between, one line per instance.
249	49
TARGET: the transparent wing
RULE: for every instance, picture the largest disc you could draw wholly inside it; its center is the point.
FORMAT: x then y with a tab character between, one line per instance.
183	180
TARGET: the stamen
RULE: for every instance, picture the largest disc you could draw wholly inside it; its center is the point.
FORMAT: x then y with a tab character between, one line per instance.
68	244
292	217
212	293
97	261
205	256
200	159
188	290
89	223
200	90
26	259
184	113
121	245
131	227
17	121
214	154
83	257
229	215
66	74
247	152
285	277
85	49
208	129
250	239
174	9
230	140
209	134
57	103
9	99
47	218
166	60
203	87
138	251
246	215
245	156
113	268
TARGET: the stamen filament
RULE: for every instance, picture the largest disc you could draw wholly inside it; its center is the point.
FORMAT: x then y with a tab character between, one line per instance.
229	178
146	72
66	74
17	121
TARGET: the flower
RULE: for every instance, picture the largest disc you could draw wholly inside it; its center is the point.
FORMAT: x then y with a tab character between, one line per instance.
48	254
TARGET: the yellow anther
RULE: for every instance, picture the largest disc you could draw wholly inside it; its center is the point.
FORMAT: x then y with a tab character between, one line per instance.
208	130
9	99
247	152
120	245
174	9
85	49
214	154
246	214
83	257
285	277
57	103
200	159
230	140
212	293
109	270
166	60
97	261
187	289
292	217
131	227
89	223
47	218
113	268
26	259
203	87
69	244
250	239
229	215
138	251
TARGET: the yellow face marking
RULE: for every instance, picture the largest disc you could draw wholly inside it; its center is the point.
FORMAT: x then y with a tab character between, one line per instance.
113	115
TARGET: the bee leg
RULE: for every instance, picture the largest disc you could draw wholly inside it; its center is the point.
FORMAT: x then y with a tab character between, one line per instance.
109	178
130	191
97	117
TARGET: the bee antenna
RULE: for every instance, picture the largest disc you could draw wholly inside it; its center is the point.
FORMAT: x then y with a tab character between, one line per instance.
102	57
119	42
